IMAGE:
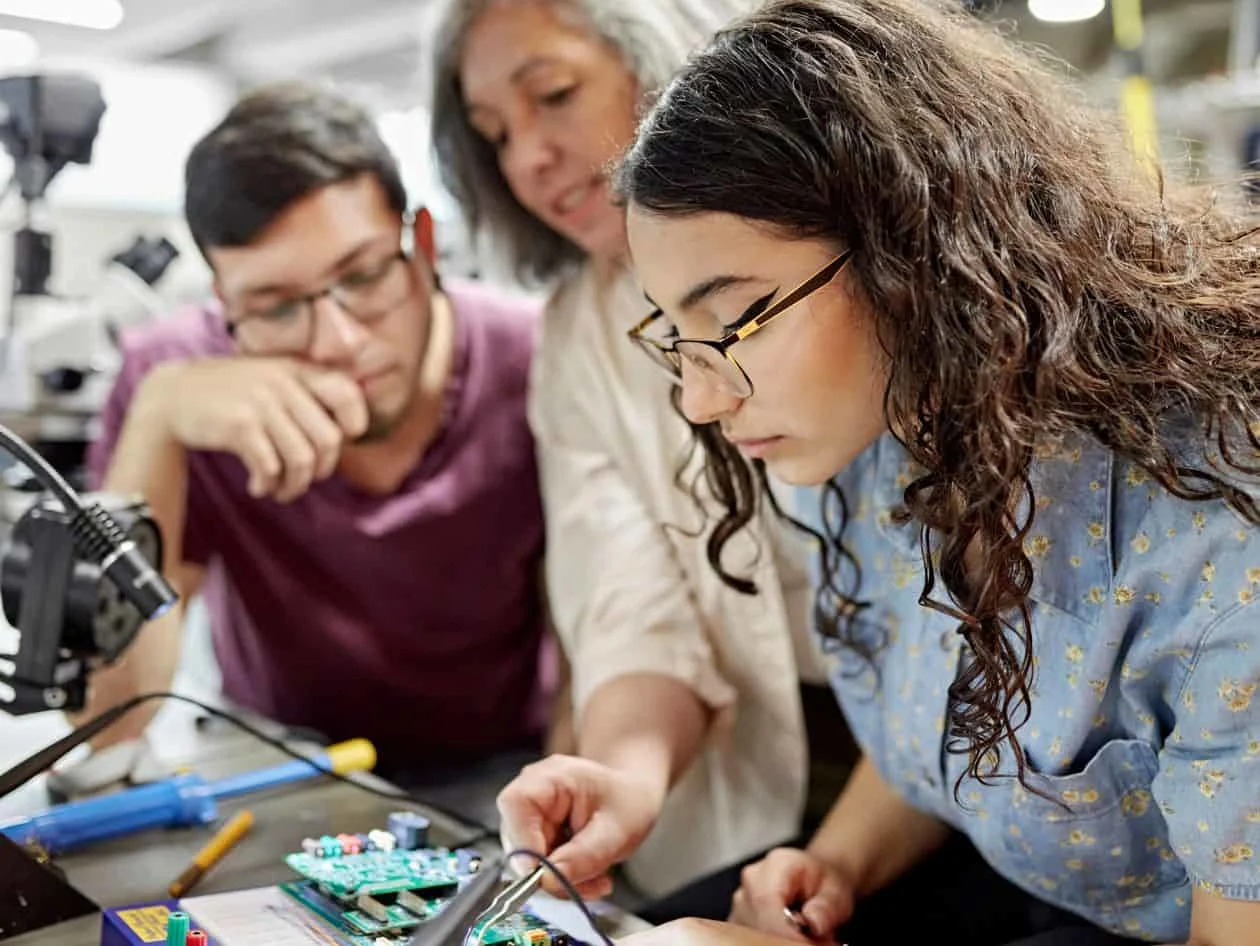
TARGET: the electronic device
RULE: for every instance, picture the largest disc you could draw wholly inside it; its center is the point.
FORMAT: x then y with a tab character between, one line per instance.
363	889
77	583
58	355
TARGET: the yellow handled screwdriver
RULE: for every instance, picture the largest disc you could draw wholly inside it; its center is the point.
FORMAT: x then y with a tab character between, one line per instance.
223	841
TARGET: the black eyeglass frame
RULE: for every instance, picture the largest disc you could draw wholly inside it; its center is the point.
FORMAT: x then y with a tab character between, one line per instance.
405	254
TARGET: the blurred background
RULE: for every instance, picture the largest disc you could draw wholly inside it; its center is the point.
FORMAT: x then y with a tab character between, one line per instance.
107	225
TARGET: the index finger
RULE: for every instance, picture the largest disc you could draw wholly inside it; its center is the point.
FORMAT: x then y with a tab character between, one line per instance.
774	884
342	398
525	812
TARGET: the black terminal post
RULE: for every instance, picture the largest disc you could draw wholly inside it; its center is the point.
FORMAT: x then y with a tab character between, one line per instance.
46	122
78	584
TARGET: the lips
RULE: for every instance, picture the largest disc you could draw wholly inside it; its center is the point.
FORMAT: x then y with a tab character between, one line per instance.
574	197
367	378
755	447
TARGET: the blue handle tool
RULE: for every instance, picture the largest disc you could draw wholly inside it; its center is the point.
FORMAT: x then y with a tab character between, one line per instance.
181	801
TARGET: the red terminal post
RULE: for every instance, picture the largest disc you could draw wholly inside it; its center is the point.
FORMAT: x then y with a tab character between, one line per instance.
196	938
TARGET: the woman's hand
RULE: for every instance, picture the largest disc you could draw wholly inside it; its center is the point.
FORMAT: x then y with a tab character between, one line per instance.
790	879
586	817
692	932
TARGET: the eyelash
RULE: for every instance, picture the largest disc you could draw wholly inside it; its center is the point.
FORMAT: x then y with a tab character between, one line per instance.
551	99
749	314
559	96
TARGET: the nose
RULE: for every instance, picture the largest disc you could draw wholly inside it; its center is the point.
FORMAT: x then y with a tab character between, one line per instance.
703	399
336	336
529	153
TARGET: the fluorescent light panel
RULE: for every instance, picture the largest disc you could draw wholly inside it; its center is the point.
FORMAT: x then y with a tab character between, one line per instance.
18	50
93	14
1065	11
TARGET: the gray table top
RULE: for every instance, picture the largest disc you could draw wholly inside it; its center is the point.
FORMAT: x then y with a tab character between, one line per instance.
139	868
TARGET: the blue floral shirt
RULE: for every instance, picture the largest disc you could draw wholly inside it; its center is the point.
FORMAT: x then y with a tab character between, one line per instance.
1145	722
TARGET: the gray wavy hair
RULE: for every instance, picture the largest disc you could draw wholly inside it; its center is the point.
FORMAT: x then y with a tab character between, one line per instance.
655	37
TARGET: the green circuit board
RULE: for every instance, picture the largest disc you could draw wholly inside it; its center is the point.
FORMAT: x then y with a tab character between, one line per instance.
434	871
364	930
368	894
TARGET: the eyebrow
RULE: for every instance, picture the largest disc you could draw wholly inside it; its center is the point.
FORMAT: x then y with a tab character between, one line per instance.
711	287
342	262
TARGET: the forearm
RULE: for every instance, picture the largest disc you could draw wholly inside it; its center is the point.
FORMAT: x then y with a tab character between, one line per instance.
872	834
647	724
147	665
147	462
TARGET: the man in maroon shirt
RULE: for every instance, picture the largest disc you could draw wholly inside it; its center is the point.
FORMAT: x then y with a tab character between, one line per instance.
337	453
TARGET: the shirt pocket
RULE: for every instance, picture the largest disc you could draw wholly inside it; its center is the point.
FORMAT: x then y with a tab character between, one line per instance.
1097	842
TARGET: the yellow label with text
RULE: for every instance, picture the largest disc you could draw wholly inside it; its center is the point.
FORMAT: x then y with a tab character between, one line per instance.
148	923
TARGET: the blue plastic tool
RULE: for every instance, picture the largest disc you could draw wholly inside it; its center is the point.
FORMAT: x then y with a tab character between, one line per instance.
181	801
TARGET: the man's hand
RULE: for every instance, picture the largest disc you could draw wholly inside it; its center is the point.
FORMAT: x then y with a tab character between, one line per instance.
285	420
603	812
791	878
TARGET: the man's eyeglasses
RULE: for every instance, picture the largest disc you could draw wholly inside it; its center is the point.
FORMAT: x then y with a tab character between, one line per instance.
366	293
712	357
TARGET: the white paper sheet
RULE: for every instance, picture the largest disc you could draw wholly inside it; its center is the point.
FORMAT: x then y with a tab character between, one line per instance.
263	915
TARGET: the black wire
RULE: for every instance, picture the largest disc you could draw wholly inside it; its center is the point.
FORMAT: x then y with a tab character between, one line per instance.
49	478
568	886
47	757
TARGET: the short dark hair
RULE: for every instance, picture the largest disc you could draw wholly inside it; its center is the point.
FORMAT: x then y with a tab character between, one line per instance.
278	144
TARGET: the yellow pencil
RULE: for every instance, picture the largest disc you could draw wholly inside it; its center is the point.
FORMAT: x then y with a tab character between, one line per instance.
223	841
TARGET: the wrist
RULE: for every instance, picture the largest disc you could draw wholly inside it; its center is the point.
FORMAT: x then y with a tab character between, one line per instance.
152	407
646	764
830	847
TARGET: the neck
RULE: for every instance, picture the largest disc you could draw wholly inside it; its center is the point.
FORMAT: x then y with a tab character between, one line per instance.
380	466
608	268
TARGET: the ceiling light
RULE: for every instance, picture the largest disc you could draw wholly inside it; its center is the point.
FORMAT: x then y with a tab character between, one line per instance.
94	14
1061	11
18	50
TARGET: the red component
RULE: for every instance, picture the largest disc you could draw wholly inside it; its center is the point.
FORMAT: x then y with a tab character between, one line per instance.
196	938
350	844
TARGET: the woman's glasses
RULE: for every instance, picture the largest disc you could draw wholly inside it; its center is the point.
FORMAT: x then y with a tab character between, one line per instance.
712	357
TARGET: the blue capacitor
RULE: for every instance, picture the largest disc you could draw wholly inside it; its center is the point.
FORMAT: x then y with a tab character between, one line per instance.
411	830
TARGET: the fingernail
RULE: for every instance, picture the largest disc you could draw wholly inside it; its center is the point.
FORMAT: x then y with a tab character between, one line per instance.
798	921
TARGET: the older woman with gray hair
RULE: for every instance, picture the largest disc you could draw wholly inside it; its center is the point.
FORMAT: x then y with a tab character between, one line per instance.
684	644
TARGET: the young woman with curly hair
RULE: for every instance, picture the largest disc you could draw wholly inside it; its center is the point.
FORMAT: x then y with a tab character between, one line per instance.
894	254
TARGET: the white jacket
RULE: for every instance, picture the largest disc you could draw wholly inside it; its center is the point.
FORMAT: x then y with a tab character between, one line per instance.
632	591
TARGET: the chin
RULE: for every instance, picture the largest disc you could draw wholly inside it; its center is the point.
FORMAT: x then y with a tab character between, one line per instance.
800	470
379	428
382	421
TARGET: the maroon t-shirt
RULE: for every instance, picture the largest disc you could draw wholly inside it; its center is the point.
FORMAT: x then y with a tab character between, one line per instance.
415	619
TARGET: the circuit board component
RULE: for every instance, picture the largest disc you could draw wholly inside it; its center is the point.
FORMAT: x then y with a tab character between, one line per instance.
381	886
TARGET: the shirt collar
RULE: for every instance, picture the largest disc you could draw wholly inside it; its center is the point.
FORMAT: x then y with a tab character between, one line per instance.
1069	542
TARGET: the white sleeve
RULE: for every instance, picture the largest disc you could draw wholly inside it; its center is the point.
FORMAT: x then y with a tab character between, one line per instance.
619	597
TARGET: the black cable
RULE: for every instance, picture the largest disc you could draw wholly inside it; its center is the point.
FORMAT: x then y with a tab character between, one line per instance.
47	757
48	477
568	886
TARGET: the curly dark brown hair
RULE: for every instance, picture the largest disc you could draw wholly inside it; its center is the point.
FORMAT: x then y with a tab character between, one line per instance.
1027	276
